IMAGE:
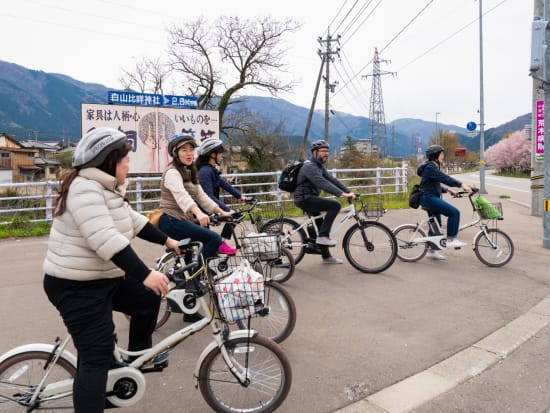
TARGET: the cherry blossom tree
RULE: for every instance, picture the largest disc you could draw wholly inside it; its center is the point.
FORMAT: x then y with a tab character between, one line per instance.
511	154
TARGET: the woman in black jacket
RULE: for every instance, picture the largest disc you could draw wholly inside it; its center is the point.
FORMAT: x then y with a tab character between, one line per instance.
431	181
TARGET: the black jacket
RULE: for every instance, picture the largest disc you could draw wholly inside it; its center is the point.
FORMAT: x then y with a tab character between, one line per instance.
432	178
314	178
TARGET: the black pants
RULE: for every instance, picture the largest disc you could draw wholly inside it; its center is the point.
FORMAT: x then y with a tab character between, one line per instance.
86	308
316	205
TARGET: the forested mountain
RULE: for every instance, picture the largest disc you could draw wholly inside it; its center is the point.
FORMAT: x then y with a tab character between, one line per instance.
46	106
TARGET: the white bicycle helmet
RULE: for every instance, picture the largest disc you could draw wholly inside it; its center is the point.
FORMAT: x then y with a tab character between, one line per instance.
209	146
94	146
177	141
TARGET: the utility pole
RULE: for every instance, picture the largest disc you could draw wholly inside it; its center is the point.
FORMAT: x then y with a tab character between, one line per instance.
327	56
482	189
376	113
540	59
546	216
537	111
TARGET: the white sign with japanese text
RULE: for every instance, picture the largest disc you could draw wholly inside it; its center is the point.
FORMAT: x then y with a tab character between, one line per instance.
150	128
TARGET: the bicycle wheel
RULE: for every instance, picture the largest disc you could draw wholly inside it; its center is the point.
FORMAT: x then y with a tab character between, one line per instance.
268	373
498	255
370	246
279	323
408	249
294	242
282	268
21	374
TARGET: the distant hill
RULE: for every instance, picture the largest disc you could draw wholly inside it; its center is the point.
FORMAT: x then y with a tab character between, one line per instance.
46	106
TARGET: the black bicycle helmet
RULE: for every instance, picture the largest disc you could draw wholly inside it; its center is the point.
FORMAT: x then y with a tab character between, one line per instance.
319	145
210	145
94	147
433	151
177	141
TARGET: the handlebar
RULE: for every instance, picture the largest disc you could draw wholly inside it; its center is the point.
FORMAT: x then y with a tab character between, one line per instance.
462	193
191	251
236	216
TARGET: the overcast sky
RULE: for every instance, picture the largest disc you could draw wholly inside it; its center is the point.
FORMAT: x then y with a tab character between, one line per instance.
432	45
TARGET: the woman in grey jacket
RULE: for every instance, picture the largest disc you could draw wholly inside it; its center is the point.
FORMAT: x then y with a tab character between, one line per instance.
90	267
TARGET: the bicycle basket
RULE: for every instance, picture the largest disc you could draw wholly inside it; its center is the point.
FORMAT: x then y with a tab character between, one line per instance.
372	211
263	246
488	210
240	294
265	212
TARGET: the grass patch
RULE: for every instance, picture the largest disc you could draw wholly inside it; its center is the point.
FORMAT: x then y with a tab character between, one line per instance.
504	196
21	229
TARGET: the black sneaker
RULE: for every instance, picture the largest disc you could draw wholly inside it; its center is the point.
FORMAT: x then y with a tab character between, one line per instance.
192	318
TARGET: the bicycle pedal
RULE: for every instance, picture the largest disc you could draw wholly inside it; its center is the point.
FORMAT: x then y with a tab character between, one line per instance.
161	360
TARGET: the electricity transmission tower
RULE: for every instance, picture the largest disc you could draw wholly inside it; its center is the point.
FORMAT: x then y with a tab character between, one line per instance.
376	112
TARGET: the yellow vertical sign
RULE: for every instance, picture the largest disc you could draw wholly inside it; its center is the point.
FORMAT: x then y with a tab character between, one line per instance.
547	204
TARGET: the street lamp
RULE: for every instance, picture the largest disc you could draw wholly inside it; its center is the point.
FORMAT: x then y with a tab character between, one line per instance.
482	189
436	130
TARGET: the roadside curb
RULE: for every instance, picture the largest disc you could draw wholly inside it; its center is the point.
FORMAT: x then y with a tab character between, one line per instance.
412	392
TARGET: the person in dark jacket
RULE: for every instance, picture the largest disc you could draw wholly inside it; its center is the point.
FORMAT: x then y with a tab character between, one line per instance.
312	179
210	154
431	181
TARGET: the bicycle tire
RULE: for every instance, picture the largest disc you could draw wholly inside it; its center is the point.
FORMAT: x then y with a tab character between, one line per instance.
268	369
21	374
281	269
380	252
279	323
283	227
494	257
407	249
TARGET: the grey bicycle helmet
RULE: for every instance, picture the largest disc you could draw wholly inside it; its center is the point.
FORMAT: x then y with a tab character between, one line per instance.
210	145
177	141
95	145
433	151
319	145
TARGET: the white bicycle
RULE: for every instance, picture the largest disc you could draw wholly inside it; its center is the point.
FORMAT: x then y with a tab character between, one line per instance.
238	371
492	246
369	245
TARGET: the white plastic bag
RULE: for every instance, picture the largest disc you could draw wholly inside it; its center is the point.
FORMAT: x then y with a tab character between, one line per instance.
262	245
240	294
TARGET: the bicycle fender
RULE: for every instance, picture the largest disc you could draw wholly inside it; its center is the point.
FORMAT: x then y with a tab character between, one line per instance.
43	347
213	344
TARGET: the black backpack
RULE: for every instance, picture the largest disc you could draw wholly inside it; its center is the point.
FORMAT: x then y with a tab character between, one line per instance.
289	176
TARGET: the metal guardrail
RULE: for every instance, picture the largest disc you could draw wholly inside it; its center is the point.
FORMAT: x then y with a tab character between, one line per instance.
35	201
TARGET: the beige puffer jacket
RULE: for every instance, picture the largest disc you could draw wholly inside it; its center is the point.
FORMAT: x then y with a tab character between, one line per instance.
96	225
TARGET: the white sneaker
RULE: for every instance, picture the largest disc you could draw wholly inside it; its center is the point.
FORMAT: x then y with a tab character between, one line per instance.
435	255
325	241
455	244
332	260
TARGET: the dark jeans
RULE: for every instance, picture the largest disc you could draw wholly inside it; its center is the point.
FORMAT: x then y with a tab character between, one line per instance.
318	204
86	308
440	207
178	229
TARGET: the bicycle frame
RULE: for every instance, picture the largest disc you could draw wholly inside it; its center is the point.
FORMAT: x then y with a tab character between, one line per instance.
440	239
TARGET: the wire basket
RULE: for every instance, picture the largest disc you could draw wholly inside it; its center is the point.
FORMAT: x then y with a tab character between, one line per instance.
240	293
262	246
372	210
490	210
265	212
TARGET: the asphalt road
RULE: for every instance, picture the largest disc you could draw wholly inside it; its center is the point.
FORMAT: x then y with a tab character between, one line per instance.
356	333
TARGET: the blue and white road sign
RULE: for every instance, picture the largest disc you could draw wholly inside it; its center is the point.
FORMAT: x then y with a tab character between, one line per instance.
471	126
150	99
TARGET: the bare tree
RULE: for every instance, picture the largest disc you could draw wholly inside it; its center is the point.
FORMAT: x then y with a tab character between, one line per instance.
147	76
219	60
